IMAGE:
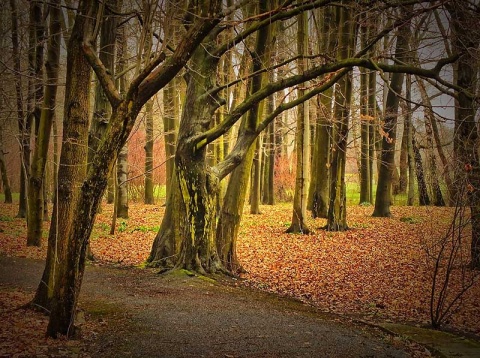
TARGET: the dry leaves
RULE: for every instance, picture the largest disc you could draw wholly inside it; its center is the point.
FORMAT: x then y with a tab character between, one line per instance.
378	270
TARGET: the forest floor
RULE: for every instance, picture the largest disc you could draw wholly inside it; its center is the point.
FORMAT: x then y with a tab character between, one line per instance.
377	272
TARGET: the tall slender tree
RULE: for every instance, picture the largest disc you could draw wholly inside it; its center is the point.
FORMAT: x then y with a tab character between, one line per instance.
302	137
337	208
39	159
383	198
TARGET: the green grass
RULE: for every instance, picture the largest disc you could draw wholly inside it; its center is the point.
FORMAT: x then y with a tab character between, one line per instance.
15	197
353	195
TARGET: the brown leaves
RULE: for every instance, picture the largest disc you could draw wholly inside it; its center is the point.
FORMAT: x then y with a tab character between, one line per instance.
377	269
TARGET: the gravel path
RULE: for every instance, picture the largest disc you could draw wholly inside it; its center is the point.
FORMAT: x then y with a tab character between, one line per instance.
143	314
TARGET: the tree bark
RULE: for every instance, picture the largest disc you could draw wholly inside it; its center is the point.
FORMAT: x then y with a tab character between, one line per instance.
365	180
302	138
39	160
383	198
121	199
423	197
3	171
429	117
320	178
60	284
149	198
337	209
466	138
233	204
23	122
409	137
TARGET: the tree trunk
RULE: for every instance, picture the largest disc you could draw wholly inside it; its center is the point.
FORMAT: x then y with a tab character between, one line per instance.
429	117
3	171
255	187
320	178
466	138
37	170
409	137
268	196
149	199
423	196
60	284
337	209
83	198
232	208
383	196
103	110
23	122
121	199
403	167
365	181
302	138
170	128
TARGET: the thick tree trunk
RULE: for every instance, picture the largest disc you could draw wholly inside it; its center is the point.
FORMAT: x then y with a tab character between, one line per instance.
59	288
386	169
320	179
466	139
37	169
167	244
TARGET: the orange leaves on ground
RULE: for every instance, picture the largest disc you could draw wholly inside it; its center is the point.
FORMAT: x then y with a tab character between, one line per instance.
22	331
378	270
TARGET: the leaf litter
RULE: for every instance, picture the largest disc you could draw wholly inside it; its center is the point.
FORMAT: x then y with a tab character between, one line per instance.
376	271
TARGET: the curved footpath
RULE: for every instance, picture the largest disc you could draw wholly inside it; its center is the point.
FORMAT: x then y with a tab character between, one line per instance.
143	314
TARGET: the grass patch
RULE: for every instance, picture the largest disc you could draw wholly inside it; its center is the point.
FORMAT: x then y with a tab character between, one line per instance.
410	220
6	218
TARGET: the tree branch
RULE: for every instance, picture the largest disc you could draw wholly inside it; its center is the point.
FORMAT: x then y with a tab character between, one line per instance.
103	76
235	157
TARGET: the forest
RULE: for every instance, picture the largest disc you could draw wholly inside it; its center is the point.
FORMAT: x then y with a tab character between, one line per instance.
322	150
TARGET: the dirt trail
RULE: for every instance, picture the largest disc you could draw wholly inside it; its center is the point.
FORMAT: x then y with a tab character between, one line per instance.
143	314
